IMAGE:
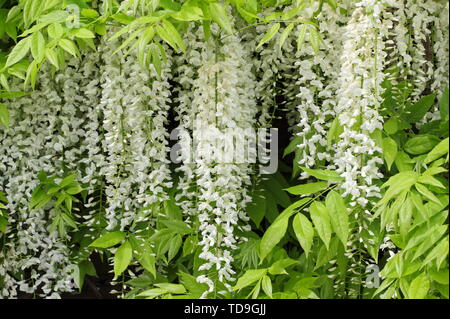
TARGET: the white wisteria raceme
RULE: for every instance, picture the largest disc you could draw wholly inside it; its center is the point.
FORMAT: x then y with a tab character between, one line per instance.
222	101
34	143
312	86
359	97
135	105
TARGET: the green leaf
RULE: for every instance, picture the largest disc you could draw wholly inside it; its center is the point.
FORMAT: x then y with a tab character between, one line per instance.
417	111
338	216
439	150
419	287
68	180
285	34
175	36
122	258
397	184
219	14
51	55
89	13
74	190
309	188
4	116
391	126
291	209
249	277
55	31
301	36
100	29
275	188
279	267
389	151
440	251
148	261
272	236
430	180
69	46
421	144
267	286
38	46
443	104
257	208
57	16
152	293
292	145
335	131
314	39
269	34
174	247
108	240
188	12
172	288
304	232
321	220
428	194
19	51
331	176
178	226
84	33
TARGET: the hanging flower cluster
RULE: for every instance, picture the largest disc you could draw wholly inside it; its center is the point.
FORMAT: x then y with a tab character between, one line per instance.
39	140
359	98
221	101
134	105
311	91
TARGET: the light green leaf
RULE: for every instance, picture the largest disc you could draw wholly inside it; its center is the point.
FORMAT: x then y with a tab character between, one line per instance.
269	34
188	13
122	258
292	145
38	46
439	150
389	151
301	36
152	293
267	286
19	51
338	216
391	126
108	240
331	176
428	194
272	236
55	31
4	115
309	188
219	14
438	252
304	232
279	267
172	288
419	287
421	144
321	220
315	40
334	132
249	277
178	226
175	36
69	46
84	33
285	34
